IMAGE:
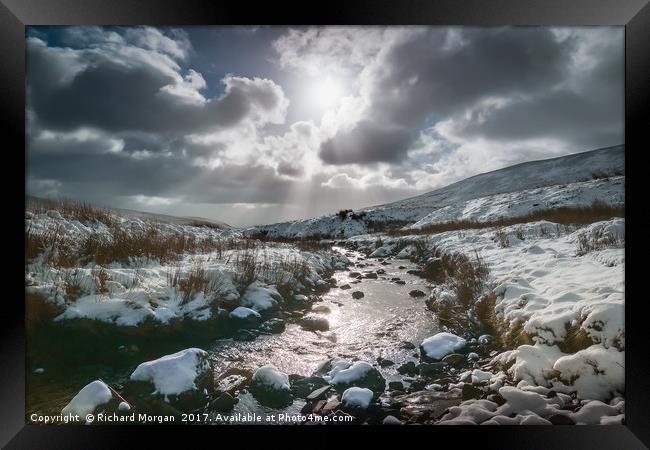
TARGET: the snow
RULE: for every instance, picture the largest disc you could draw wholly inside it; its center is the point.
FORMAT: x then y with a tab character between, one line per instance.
595	372
271	377
174	374
592	412
90	397
442	344
241	312
350	374
39	370
357	397
479	376
124	406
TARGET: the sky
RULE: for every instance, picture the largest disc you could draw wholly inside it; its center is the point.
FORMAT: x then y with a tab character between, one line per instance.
252	125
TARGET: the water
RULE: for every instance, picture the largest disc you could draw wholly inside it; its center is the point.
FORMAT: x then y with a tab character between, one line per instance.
360	329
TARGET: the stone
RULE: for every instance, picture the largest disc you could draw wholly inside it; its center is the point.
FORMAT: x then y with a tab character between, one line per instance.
386	363
395	386
434	270
454	359
273	326
407	345
415	272
318	393
321	309
233	380
244	335
391	420
400	282
355	274
314	323
357	295
306	386
430	403
345	286
431	369
417	293
371	275
408	368
380	271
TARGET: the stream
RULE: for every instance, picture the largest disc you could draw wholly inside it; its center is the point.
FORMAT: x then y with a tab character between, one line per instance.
367	328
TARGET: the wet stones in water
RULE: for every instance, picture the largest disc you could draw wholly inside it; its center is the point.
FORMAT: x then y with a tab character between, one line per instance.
407	369
233	380
385	362
454	359
407	345
273	326
305	386
223	403
298	302
371	275
244	335
400	282
395	279
332	281
370	378
355	282
380	271
355	274
345	286
385	263
395	386
415	272
471	392
314	323
417	293
357	295
417	385
401	267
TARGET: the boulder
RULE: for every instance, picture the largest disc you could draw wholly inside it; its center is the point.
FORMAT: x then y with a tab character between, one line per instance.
223	403
244	335
303	387
440	345
314	323
233	380
345	286
408	368
360	374
454	359
271	387
357	295
242	317
417	293
96	397
184	380
357	397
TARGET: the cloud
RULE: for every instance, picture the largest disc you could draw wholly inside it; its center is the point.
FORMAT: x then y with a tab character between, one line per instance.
115	86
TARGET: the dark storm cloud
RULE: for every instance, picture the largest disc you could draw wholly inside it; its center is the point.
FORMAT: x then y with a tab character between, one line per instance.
446	74
140	91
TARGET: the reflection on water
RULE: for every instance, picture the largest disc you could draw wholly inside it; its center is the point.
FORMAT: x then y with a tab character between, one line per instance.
361	329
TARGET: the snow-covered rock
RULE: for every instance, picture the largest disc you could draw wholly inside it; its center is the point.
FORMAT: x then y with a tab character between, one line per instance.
92	398
356	397
359	374
271	387
441	344
260	298
184	379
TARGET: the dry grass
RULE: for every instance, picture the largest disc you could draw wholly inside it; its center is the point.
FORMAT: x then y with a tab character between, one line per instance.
81	211
597	211
195	281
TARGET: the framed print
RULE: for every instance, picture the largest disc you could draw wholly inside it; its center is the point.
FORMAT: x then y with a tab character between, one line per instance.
359	213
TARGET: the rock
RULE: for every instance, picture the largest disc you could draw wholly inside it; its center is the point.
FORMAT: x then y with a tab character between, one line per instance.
434	270
357	295
356	398
485	339
385	263
392	420
233	380
407	345
271	387
395	386
386	363
417	293
371	275
355	274
273	326
299	302
243	317
400	282
184	380
454	359
94	398
321	309
471	392
224	403
473	356
244	335
360	374
408	368
318	393
440	345
496	398
417	385
431	369
345	286
417	273
314	323
329	407
304	387
401	267
380	271
561	419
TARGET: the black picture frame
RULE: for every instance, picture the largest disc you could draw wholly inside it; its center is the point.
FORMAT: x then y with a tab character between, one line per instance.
634	15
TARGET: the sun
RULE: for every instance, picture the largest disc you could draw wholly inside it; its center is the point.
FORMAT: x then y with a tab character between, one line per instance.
326	92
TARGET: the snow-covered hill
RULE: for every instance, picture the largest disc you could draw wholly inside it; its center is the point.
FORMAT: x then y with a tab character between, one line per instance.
573	180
